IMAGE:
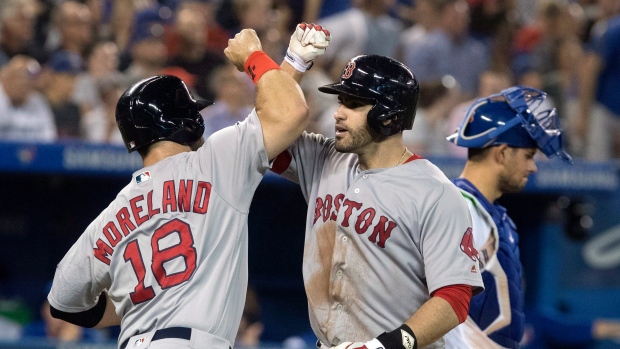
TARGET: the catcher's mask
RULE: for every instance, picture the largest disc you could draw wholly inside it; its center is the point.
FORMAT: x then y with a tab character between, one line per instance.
512	117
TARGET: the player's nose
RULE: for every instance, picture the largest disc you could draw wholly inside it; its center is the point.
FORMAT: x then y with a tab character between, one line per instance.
339	114
533	168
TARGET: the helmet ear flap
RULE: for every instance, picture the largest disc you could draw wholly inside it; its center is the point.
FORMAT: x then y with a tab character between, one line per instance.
378	116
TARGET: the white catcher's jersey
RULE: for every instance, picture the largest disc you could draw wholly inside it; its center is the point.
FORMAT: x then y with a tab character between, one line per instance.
378	242
486	240
171	249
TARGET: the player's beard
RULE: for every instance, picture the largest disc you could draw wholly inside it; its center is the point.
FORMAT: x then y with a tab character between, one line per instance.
357	139
508	184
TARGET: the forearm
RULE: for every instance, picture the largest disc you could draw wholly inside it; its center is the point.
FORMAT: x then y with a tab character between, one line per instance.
290	70
110	318
103	314
282	109
432	321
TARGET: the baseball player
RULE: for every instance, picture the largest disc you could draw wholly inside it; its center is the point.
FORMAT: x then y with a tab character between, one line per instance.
388	261
503	132
167	259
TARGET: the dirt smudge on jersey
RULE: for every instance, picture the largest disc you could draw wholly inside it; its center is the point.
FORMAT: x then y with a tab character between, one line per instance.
320	252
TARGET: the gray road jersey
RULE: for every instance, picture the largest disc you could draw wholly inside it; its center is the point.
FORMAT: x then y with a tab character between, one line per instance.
171	249
377	242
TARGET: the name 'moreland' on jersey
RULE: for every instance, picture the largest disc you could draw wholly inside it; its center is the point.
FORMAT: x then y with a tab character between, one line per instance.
187	198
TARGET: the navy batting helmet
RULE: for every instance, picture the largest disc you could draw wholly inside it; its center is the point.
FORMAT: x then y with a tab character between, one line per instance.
159	108
388	84
516	116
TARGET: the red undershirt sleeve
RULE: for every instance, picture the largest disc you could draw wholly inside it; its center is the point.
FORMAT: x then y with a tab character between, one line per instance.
281	163
458	296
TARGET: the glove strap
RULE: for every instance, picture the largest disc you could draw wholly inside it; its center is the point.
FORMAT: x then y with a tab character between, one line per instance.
401	338
296	61
258	64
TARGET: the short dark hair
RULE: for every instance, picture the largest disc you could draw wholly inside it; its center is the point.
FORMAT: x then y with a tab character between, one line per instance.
477	154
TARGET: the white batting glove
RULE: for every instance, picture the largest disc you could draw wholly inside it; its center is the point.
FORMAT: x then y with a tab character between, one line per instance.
307	42
372	344
401	338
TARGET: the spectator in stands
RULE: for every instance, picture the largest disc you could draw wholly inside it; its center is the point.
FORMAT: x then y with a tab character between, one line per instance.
232	99
61	75
216	37
450	50
17	23
555	54
122	20
490	83
597	121
426	15
365	29
147	48
313	10
494	23
72	28
102	60
25	115
269	18
99	124
428	135
193	55
322	106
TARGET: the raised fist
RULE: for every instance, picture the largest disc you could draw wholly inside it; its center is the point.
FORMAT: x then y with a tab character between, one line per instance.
307	42
241	47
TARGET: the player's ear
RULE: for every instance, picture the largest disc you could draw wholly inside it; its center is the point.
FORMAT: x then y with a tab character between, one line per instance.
500	153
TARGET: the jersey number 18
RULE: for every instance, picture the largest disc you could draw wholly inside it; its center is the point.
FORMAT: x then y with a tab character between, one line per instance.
185	249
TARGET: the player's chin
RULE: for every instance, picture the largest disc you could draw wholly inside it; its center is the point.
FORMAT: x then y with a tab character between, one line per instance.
342	146
521	185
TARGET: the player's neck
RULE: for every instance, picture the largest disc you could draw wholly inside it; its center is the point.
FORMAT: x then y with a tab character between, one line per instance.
484	179
162	150
384	154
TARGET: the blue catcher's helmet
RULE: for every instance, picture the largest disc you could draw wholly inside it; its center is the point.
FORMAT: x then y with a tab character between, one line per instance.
388	84
512	117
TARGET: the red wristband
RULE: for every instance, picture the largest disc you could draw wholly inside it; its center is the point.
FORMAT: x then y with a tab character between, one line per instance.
258	64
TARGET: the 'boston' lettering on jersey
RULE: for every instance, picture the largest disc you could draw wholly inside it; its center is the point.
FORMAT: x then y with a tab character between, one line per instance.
328	208
141	210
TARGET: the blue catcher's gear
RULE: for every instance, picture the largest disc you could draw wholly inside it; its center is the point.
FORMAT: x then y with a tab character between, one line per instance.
388	84
159	108
485	308
512	117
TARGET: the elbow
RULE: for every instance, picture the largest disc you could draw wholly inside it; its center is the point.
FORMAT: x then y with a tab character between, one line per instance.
304	114
300	116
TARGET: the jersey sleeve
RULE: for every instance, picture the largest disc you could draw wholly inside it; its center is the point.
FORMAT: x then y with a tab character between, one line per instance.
77	285
235	157
447	243
486	239
302	160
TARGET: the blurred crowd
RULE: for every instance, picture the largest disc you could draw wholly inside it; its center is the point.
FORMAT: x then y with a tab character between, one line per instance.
64	63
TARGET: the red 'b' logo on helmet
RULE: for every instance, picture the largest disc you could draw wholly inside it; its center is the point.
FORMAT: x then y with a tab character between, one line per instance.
348	70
